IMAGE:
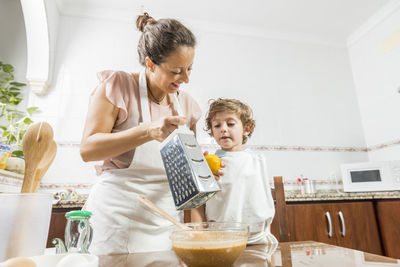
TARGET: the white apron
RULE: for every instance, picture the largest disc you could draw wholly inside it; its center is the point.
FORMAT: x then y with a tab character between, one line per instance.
245	195
121	223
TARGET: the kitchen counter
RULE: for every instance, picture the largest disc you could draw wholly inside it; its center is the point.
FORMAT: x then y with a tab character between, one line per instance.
296	196
290	196
71	204
289	254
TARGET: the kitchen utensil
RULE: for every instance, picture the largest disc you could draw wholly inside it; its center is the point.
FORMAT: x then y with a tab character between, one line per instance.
24	236
24	224
190	178
210	244
35	144
44	165
153	207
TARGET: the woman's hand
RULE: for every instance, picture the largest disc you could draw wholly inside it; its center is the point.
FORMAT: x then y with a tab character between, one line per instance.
159	130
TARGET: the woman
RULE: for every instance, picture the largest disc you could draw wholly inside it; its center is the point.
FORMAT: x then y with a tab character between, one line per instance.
129	114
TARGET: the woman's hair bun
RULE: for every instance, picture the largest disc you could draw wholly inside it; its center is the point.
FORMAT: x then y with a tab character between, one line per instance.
143	20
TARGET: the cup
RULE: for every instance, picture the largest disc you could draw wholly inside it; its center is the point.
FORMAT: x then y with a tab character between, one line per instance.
25	224
309	186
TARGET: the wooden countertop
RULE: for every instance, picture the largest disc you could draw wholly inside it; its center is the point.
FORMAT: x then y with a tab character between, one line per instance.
290	254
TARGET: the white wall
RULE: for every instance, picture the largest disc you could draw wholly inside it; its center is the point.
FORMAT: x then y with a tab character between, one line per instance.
302	94
377	81
13	38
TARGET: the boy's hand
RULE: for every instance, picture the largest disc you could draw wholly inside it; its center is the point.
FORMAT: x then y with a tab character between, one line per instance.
216	164
220	172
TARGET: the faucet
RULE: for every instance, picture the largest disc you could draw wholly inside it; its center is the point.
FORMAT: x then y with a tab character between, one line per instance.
60	246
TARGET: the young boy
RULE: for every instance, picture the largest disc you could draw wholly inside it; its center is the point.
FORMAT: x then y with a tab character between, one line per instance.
245	192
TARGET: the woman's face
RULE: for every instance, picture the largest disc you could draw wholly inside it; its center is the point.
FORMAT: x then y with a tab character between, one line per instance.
228	130
169	75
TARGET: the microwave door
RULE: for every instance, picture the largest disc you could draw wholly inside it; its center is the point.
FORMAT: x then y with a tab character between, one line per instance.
366	176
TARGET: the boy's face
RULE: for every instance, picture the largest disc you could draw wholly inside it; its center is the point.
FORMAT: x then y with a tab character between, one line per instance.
228	131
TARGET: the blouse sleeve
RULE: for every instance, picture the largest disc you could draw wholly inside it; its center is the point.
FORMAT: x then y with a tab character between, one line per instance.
116	85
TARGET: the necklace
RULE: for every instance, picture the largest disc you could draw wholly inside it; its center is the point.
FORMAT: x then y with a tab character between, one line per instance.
158	101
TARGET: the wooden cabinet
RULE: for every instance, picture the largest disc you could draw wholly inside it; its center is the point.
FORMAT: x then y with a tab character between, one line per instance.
388	214
357	226
351	224
57	225
311	222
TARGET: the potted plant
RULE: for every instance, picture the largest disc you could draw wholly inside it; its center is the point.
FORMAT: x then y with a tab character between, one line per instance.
13	120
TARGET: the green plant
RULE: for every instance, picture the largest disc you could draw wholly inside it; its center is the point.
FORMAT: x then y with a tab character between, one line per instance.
14	121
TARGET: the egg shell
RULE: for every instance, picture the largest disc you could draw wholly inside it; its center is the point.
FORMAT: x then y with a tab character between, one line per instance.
18	262
74	259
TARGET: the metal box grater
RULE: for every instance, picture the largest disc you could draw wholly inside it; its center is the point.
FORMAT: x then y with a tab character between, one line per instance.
190	179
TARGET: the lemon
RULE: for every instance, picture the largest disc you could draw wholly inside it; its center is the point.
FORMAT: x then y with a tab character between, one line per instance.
214	162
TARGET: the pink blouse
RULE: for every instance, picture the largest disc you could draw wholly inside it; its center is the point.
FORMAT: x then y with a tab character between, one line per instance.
122	90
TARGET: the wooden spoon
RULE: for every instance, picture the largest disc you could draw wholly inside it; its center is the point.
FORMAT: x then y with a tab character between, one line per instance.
39	151
35	144
153	207
44	165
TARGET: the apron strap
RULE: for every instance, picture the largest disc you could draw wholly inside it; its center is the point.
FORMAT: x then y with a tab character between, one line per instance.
177	105
144	100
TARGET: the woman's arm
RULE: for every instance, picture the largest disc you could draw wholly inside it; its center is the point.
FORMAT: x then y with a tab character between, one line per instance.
98	143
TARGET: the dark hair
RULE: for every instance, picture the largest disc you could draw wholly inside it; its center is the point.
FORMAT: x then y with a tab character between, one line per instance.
241	109
160	38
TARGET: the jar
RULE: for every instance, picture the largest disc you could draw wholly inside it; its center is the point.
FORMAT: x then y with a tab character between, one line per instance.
5	153
78	231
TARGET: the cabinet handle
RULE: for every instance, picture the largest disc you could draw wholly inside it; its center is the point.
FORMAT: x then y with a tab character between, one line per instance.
341	217
328	217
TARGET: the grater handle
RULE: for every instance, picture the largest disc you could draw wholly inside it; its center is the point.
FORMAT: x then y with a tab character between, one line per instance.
153	207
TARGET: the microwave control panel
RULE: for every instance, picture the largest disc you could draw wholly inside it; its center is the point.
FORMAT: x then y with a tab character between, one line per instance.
396	172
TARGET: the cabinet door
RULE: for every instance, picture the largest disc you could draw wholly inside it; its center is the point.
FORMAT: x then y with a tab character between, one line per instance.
388	214
311	222
57	226
357	226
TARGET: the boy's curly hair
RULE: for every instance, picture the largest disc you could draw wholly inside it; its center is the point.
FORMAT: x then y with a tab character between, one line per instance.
225	104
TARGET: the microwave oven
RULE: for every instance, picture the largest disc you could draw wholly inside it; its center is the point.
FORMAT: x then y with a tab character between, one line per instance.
371	176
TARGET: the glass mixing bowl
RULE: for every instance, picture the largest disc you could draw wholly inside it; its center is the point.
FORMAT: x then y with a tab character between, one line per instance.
210	244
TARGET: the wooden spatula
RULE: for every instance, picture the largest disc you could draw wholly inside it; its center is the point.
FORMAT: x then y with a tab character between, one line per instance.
161	212
35	144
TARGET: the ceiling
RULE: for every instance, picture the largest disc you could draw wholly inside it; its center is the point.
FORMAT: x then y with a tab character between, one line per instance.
329	20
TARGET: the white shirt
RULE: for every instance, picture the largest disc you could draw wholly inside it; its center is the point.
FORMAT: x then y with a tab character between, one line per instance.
245	195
